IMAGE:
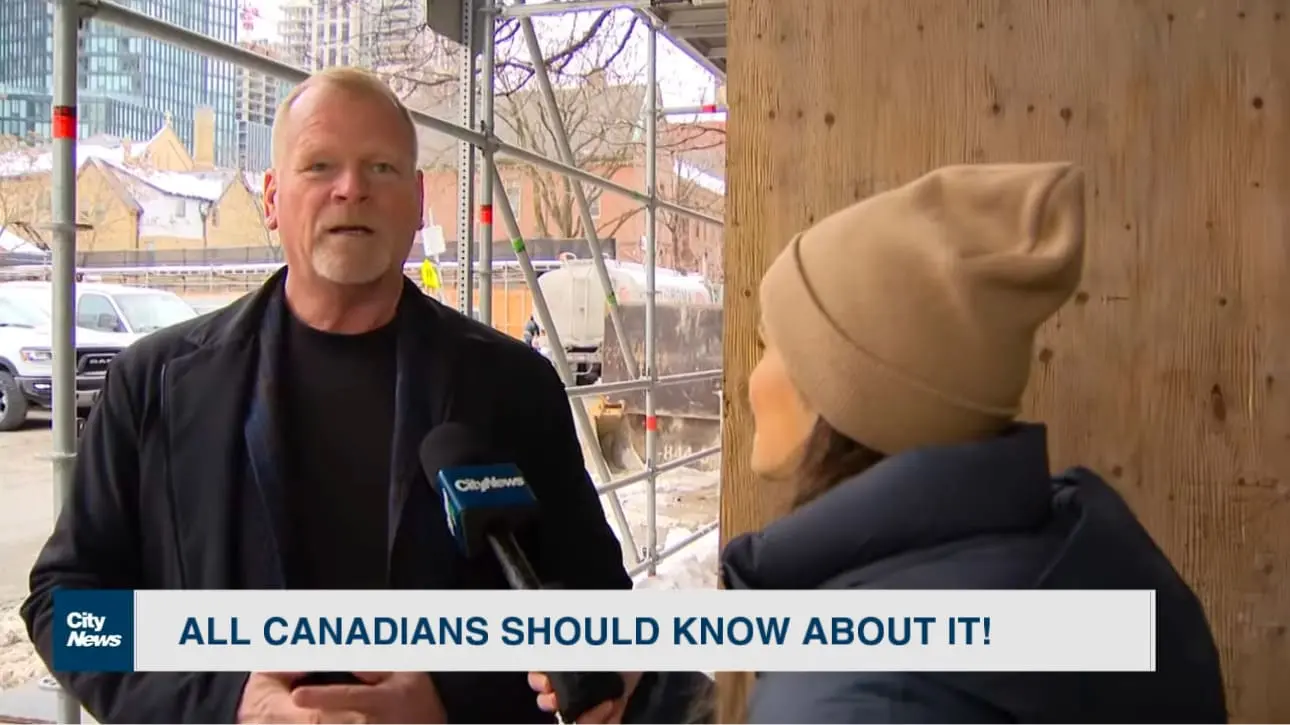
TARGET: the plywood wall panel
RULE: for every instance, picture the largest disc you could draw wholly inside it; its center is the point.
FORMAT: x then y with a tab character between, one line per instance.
1169	372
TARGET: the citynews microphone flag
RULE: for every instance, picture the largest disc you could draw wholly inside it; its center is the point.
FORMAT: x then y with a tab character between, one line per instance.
616	631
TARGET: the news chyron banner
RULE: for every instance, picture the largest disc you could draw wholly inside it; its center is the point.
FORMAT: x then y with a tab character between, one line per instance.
690	630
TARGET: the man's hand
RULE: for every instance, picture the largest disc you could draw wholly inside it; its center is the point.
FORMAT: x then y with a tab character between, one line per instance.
266	698
606	712
385	697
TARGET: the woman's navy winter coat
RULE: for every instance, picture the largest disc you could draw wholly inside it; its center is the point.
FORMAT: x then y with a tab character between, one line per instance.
985	515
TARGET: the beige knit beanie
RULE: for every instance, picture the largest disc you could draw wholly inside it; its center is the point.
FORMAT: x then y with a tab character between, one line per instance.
908	319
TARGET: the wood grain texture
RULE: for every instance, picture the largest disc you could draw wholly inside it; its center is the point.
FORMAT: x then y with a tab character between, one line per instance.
1169	372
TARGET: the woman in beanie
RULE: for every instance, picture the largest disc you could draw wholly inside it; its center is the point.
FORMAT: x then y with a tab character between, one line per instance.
897	337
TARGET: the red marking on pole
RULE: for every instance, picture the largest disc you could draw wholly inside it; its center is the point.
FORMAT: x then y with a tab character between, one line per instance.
710	108
651	423
64	125
486	214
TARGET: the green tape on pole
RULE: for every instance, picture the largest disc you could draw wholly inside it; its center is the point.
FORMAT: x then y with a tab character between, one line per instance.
613	299
517	245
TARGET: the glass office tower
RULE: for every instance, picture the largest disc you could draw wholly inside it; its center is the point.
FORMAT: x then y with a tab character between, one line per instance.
127	83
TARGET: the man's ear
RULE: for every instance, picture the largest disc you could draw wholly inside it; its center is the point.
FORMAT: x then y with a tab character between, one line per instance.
271	200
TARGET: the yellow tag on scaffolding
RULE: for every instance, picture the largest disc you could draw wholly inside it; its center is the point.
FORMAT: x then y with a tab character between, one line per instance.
429	276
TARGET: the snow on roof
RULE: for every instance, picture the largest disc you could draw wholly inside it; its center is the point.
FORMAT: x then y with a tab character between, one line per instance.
204	185
199	185
171	203
703	178
38	160
11	243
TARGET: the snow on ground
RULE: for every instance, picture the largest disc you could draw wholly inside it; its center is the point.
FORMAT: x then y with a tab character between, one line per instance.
18	661
694	567
686	502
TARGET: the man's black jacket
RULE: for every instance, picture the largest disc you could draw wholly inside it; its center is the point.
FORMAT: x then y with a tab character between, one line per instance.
177	487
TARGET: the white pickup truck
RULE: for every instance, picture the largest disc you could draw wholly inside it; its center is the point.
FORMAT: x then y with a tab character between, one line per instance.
126	311
109	318
26	364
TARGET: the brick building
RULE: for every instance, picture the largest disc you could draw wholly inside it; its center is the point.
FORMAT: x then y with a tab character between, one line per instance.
606	132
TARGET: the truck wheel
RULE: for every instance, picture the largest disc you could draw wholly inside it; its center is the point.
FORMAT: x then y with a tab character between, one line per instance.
13	404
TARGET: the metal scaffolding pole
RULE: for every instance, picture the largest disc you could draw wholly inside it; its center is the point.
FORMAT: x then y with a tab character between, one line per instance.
692	110
582	421
663	467
579	194
628	386
651	298
677	547
63	305
486	121
466	151
568	6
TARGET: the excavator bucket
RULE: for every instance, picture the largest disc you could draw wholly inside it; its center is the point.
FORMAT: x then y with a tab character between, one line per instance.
613	434
689	415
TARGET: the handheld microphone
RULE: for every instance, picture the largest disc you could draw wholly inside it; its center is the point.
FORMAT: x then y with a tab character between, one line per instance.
485	502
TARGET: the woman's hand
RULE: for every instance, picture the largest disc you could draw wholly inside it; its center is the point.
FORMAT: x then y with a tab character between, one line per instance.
606	712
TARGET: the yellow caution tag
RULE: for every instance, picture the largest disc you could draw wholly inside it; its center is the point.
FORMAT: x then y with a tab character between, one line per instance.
429	276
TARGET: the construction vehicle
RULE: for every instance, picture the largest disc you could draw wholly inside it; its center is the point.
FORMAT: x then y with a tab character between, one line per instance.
688	339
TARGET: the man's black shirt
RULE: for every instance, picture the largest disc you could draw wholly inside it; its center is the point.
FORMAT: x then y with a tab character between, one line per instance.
338	424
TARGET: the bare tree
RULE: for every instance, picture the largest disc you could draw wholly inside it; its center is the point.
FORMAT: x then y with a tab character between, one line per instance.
601	98
24	197
599	106
422	66
419	64
414	59
684	247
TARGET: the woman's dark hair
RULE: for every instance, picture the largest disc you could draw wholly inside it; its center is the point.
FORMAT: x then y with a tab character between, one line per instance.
828	459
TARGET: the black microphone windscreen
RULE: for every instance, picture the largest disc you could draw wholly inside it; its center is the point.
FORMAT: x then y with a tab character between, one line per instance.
448	445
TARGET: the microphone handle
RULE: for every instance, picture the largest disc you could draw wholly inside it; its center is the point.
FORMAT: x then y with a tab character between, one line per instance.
515	566
577	692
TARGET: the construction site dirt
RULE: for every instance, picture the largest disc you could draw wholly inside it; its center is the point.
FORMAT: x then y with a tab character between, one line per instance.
26	517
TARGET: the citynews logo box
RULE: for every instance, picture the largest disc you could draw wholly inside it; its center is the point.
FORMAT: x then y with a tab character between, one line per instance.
93	631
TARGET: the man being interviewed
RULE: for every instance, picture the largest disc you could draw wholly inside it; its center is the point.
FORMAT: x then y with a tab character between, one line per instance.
273	444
